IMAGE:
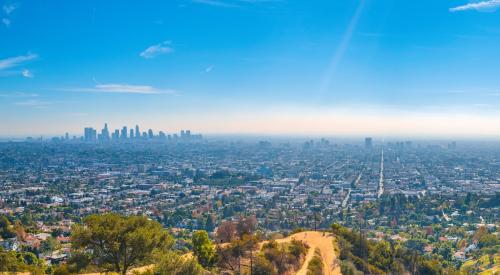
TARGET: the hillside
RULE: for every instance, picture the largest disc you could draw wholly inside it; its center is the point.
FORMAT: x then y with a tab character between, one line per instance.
324	242
315	240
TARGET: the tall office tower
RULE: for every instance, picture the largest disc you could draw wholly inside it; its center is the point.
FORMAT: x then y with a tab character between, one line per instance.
131	135
124	132
86	133
89	134
66	137
161	135
137	132
116	135
188	134
105	133
182	133
368	143
150	134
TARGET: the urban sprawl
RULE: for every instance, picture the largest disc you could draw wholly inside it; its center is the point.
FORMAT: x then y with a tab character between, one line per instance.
390	189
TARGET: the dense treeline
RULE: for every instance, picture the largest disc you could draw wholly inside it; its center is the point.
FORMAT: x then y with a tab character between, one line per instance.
362	256
115	243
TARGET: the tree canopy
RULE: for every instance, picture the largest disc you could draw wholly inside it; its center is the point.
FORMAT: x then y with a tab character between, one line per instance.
118	243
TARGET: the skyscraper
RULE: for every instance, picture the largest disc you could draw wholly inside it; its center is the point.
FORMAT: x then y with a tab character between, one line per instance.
150	134
124	133
368	143
137	132
90	134
131	135
104	133
116	135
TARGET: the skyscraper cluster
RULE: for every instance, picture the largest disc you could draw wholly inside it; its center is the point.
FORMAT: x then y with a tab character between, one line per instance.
125	135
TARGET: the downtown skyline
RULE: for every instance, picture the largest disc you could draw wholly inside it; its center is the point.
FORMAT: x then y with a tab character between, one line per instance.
381	68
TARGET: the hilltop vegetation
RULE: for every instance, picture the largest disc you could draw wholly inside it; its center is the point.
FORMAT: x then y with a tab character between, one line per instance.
360	255
114	243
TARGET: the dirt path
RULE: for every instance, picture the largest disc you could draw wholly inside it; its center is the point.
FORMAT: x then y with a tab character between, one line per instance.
324	242
309	256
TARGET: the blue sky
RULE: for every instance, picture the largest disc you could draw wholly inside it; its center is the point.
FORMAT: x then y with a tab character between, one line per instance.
384	67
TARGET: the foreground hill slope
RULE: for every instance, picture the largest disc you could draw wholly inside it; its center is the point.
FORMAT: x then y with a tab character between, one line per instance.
324	242
315	240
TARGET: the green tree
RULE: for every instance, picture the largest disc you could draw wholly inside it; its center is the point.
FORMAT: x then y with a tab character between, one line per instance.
79	260
6	228
118	242
173	264
445	250
50	244
488	240
209	225
30	259
11	261
204	249
381	255
430	268
263	267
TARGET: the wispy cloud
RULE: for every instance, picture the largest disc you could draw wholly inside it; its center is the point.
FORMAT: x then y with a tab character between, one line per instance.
209	69
216	3
16	61
27	73
7	10
483	5
33	103
233	3
123	89
158	49
17	95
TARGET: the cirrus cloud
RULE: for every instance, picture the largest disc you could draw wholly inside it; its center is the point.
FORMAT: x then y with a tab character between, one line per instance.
123	89
16	61
483	5
156	50
35	103
8	9
27	73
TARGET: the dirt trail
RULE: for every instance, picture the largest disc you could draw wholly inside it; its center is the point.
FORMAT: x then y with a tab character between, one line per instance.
322	241
309	256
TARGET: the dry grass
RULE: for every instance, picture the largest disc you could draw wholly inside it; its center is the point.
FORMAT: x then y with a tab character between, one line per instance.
131	271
